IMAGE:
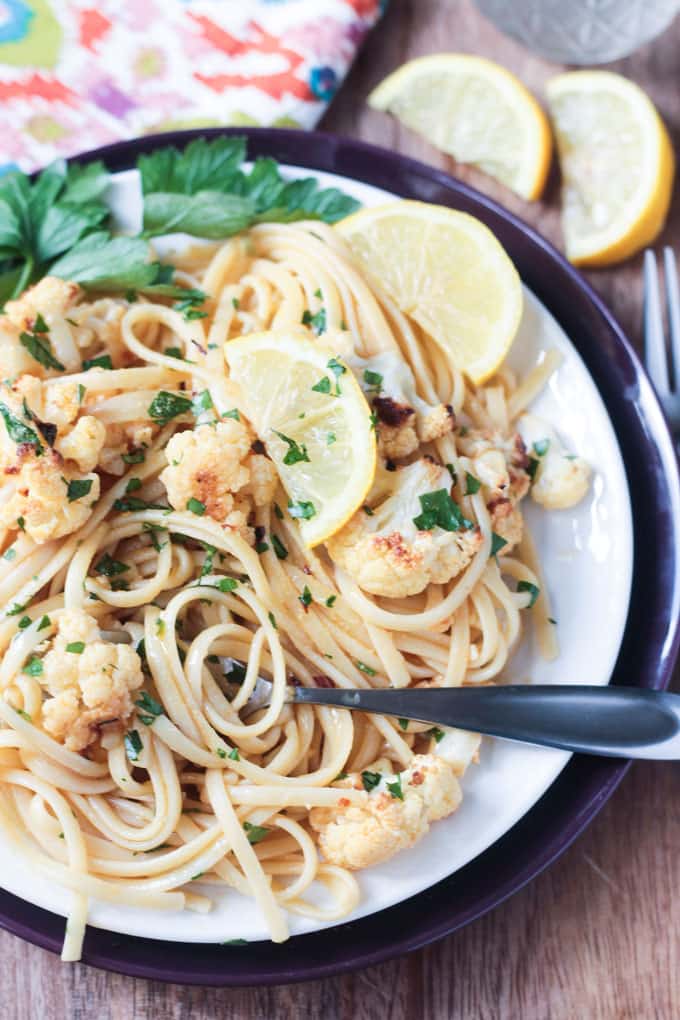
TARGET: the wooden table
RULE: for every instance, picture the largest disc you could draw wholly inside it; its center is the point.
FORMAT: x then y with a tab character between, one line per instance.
594	938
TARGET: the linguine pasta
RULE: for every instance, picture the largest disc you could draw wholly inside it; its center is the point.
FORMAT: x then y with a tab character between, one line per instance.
179	793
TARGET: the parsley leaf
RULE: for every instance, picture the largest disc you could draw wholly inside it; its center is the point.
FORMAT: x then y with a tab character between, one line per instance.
363	668
103	361
439	510
77	488
373	380
133	745
196	506
150	709
395	788
34	666
255	833
337	369
306	598
370	780
40	350
18	432
541	447
166	406
323	385
472	484
497	544
295	452
533	590
76	647
316	321
303	509
110	567
279	548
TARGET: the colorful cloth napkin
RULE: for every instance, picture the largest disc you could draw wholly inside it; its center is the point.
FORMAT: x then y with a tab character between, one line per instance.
75	74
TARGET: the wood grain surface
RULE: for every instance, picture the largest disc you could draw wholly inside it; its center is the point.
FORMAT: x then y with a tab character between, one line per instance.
597	936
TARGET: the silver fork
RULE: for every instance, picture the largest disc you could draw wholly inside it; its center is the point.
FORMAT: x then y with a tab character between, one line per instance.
657	353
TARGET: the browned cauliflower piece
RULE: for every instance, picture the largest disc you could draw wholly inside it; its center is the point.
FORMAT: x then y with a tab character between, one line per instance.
387	554
360	835
216	465
500	463
122	439
406	420
50	297
89	685
45	498
83	443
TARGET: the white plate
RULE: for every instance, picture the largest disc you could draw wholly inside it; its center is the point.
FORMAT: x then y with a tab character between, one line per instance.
587	556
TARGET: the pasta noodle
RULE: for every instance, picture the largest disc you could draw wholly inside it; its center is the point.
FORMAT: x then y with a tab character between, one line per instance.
192	788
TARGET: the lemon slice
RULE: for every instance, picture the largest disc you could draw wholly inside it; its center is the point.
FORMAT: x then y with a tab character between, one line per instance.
310	413
617	166
476	111
448	272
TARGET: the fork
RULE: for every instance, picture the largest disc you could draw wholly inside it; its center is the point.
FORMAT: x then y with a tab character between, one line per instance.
657	355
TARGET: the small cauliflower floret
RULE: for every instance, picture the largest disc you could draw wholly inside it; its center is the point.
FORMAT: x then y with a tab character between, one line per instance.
387	554
215	465
500	463
561	480
41	498
83	443
15	358
121	439
360	835
88	687
50	297
61	403
406	420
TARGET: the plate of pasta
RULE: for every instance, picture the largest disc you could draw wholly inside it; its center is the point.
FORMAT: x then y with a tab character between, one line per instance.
238	443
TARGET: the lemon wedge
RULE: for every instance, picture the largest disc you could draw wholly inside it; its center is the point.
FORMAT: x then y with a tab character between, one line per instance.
477	112
309	411
448	272
617	166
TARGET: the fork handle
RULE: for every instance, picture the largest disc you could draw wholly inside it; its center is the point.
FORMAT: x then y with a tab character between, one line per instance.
627	722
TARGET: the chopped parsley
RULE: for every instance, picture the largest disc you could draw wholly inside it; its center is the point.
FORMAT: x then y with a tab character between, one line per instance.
24	715
196	506
306	598
363	668
331	438
17	607
134	457
234	755
134	503
150	709
24	622
166	406
532	467
370	780
337	369
403	723
21	524
202	402
77	488
220	752
295	452
34	666
497	544
20	433
316	321
330	600
323	385
133	485
76	647
541	447
39	325
395	788
255	833
272	620
227	584
261	547
45	622
373	380
437	734
133	745
472	484
40	350
9	553
367	510
233	413
81	393
303	509
152	530
278	511
439	510
103	361
533	590
279	548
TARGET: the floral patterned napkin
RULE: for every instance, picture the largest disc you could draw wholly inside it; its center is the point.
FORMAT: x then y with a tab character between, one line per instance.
76	74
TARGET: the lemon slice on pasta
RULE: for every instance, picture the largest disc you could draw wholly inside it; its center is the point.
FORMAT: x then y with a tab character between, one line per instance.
309	411
448	272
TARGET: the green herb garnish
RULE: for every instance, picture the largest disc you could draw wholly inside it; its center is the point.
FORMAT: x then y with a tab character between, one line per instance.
255	833
303	510
533	589
295	452
439	510
196	506
40	350
166	406
77	488
472	484
370	780
133	745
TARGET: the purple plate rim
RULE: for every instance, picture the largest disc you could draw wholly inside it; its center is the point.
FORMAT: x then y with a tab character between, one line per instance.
648	652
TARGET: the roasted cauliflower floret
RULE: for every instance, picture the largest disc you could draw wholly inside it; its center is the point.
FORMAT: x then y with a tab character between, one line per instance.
500	463
215	465
83	443
52	499
388	554
406	420
359	835
122	439
90	684
561	480
50	297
